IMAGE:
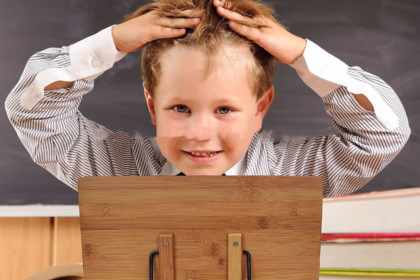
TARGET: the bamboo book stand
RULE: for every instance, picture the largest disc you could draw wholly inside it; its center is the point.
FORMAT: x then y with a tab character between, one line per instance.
200	227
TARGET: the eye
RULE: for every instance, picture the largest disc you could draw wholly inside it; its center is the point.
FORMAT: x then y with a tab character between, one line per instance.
181	108
224	110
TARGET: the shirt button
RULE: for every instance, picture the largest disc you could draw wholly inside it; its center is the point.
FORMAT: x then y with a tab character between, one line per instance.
96	62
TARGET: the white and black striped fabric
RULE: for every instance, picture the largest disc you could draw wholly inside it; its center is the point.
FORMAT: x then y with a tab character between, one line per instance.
70	146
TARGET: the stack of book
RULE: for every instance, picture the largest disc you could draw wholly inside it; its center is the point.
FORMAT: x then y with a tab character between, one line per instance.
373	235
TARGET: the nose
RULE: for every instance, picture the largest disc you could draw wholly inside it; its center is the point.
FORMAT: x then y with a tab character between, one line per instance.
200	128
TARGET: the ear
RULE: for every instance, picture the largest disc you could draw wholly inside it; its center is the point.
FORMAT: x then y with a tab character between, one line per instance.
150	104
262	107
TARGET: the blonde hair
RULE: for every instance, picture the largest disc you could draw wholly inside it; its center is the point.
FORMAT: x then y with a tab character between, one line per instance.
209	36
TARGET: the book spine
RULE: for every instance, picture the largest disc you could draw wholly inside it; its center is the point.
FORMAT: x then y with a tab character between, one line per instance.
369	237
367	272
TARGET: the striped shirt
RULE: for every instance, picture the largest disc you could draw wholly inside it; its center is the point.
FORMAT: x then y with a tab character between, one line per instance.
70	146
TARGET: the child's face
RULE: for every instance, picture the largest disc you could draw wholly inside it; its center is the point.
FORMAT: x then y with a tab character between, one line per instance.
217	114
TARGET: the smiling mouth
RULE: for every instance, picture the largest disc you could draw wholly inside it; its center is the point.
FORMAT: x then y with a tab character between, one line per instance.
203	154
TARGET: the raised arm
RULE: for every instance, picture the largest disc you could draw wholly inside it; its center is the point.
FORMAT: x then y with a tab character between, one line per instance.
367	140
43	109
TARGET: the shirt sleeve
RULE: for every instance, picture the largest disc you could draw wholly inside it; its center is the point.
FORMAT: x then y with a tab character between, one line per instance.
49	124
365	143
84	60
324	73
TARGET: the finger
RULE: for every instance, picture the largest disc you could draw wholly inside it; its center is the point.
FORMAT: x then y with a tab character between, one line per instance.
223	3
168	32
249	32
192	13
178	22
231	15
255	22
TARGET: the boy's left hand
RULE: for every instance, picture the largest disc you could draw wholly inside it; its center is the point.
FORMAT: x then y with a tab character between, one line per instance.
283	45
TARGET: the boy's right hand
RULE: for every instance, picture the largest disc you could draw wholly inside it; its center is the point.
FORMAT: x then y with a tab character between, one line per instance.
133	34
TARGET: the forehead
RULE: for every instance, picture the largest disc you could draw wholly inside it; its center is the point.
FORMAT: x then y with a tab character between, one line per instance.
188	65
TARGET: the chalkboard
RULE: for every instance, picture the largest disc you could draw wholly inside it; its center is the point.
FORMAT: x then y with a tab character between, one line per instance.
380	36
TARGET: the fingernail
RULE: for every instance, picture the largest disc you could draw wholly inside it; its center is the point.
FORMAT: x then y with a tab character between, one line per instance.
221	8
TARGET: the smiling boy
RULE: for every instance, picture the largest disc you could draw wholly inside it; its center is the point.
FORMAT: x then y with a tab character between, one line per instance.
208	86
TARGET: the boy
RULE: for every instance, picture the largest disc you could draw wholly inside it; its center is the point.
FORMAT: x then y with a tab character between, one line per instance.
207	90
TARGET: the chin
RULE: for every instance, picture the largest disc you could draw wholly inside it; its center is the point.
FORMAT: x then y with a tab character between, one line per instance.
203	173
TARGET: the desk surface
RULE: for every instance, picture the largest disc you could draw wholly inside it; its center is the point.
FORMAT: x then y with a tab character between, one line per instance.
401	206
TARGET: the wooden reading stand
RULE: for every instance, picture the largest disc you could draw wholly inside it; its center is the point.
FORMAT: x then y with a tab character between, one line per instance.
200	227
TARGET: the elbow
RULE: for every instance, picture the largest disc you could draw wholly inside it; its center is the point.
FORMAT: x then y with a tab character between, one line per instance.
404	129
407	135
10	109
404	133
394	140
8	106
393	146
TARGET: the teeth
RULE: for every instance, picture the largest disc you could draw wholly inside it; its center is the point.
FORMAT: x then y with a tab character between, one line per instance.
203	154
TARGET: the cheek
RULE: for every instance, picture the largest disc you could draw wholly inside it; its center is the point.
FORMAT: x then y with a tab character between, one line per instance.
167	126
167	134
236	146
238	128
234	133
168	146
237	136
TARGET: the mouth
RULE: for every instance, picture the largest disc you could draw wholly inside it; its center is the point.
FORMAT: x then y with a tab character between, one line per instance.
203	156
205	153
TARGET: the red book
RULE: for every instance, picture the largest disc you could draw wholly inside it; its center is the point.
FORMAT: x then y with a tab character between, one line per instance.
367	237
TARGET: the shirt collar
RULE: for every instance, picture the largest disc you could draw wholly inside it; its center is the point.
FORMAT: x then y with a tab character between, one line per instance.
238	169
